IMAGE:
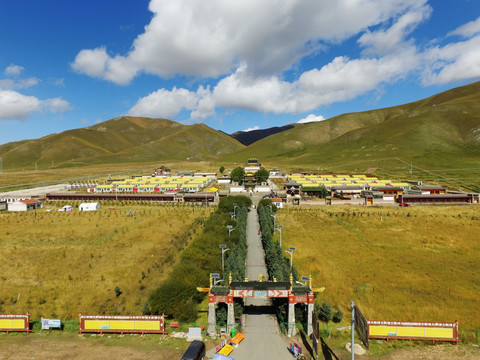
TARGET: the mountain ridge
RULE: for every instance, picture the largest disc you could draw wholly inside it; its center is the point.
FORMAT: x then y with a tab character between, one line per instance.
442	130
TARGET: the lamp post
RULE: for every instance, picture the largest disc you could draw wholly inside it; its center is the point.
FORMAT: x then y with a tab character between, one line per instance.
216	278
230	229
279	228
304	278
235	209
224	250
274	220
292	249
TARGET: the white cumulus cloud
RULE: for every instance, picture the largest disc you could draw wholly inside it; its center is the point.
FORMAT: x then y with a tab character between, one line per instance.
467	30
210	38
311	118
247	47
13	70
252	129
164	103
16	106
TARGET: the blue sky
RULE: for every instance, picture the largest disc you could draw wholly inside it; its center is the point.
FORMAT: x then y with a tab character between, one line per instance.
233	65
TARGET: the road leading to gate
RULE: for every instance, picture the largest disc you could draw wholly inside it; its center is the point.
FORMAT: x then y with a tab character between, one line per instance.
262	336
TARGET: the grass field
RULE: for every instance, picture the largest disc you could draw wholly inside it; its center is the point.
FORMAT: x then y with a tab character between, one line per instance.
58	264
398	264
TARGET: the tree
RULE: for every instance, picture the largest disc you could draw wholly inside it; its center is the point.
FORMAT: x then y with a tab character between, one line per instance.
222	169
323	192
237	174
261	175
326	313
337	317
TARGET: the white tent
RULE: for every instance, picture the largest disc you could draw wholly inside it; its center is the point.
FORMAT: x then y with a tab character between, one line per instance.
89	206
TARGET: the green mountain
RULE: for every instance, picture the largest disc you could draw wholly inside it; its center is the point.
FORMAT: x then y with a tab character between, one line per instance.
437	138
437	133
123	139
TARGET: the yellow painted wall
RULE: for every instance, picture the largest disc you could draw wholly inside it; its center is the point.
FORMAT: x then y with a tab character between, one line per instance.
147	325
96	324
439	333
12	324
122	324
411	331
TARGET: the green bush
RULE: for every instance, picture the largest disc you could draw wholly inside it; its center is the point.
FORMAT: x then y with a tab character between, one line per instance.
337	316
325	313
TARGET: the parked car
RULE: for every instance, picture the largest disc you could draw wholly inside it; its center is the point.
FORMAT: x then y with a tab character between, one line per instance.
404	204
196	351
66	208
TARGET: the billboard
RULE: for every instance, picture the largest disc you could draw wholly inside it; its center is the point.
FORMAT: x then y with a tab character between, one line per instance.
413	330
15	322
122	324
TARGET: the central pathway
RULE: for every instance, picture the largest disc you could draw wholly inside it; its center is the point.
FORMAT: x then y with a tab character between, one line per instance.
262	335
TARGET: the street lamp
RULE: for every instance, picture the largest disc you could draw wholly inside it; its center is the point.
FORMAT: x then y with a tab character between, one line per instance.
274	220
224	250
216	278
304	278
235	209
292	249
230	229
279	228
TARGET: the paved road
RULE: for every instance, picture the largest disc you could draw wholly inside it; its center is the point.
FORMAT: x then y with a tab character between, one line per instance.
262	336
38	191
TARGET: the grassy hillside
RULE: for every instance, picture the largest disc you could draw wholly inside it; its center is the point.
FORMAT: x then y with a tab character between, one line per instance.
404	264
429	136
120	140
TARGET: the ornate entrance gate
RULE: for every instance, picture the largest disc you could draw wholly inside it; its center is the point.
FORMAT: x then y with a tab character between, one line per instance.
260	289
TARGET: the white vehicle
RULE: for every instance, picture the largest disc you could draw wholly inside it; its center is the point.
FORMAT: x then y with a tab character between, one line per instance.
66	208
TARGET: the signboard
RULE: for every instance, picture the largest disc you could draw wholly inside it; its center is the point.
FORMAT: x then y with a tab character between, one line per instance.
361	326
220	299
122	324
215	276
260	294
15	322
48	324
413	330
295	299
291	248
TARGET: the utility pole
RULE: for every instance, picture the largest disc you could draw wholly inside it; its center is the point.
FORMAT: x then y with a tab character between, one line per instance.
352	346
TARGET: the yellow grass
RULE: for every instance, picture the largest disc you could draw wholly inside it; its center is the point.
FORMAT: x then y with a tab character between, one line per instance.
58	264
403	264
